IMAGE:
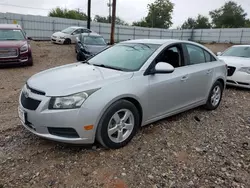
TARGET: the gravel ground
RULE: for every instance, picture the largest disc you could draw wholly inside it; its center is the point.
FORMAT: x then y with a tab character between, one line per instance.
194	149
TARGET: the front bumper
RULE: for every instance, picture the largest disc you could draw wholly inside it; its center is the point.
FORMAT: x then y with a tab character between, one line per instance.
239	79
21	59
57	40
39	121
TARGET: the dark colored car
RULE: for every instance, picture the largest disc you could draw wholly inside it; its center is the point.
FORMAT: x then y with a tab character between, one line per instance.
88	45
14	46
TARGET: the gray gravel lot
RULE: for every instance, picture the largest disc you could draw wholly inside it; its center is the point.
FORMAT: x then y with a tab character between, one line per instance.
193	149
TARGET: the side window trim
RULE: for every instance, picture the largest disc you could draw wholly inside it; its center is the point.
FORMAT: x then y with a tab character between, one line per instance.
169	46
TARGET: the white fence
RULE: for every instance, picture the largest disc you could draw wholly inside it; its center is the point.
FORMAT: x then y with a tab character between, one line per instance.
41	28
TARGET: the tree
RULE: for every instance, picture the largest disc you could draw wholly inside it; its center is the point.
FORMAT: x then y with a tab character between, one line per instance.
247	23
189	24
104	19
159	15
201	22
231	15
70	14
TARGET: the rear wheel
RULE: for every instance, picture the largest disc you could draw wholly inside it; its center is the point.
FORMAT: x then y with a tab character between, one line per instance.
67	41
215	96
118	125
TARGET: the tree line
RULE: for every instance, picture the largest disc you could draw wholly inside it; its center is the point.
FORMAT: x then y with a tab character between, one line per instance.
230	15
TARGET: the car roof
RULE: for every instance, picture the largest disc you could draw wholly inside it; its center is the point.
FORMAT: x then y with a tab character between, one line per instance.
77	27
10	26
91	34
241	45
161	41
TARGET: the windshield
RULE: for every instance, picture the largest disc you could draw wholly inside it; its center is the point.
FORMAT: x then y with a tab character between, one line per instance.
69	30
126	57
243	51
11	34
92	40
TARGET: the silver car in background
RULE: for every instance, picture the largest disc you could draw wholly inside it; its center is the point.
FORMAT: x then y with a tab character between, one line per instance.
131	84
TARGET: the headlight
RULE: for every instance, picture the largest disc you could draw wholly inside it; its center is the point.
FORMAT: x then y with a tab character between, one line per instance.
71	101
245	69
62	37
24	48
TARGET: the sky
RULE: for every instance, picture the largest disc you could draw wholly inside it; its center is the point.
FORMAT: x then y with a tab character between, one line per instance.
129	10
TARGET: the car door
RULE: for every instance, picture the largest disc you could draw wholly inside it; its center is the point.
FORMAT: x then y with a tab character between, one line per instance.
166	90
75	34
199	73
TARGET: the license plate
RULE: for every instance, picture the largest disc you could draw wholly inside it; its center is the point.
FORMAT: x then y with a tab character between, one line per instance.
21	114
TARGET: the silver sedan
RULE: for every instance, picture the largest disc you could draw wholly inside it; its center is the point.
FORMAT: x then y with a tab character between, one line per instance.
131	84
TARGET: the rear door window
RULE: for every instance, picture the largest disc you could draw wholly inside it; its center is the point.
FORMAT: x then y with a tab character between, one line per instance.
196	54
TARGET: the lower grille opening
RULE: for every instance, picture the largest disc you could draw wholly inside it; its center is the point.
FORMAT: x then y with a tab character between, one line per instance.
63	132
242	83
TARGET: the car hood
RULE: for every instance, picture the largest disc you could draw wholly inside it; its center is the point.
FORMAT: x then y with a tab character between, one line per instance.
59	34
235	61
74	78
13	44
93	49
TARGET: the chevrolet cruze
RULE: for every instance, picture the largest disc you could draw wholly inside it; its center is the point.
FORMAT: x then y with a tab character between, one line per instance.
131	84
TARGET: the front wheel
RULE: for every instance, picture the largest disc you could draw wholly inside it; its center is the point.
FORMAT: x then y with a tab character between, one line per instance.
215	96
67	41
118	125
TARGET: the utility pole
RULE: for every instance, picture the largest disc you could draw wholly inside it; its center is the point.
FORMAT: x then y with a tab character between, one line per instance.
89	14
109	5
112	35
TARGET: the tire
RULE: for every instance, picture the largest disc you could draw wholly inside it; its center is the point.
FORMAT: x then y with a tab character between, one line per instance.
112	121
30	63
215	96
78	57
67	41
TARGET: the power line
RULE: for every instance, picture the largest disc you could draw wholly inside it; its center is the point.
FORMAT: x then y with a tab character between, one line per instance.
11	5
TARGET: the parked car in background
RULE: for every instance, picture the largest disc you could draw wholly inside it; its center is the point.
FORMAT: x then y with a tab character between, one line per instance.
88	45
68	35
111	95
14	46
238	60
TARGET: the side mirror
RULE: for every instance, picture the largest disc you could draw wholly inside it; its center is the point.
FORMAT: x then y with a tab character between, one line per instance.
163	68
219	53
29	38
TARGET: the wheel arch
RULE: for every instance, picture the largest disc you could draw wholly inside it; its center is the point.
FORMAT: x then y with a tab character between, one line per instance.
131	98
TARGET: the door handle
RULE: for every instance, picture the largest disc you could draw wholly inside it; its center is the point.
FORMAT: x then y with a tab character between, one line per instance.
184	78
209	71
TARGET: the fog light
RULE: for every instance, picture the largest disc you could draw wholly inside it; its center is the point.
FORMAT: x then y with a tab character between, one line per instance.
88	127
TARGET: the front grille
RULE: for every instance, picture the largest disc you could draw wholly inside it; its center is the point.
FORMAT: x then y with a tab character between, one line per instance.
230	70
29	103
8	52
63	132
35	91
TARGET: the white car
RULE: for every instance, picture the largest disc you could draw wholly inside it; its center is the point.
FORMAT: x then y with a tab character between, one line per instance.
238	60
68	35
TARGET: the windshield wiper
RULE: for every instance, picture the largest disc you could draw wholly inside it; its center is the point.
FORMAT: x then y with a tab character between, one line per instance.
11	39
85	62
108	67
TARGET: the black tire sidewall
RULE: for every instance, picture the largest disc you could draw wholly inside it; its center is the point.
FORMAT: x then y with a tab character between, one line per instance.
102	132
209	105
67	41
78	57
